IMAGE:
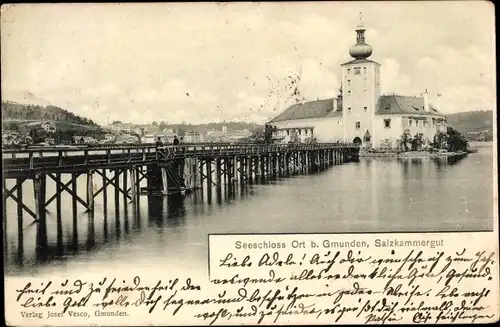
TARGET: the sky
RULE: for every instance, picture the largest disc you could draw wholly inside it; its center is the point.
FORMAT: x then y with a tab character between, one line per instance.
208	62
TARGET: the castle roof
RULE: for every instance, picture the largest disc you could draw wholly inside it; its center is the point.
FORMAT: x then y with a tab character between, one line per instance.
386	105
312	109
398	104
359	61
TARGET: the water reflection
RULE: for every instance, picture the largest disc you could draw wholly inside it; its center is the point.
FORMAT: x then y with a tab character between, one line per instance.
381	194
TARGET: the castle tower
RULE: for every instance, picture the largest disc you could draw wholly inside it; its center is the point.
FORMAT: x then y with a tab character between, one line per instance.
360	91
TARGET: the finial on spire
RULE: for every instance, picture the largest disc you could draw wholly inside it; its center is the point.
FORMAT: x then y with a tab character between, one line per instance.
360	20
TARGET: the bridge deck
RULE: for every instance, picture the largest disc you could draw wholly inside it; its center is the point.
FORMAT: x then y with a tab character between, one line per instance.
71	159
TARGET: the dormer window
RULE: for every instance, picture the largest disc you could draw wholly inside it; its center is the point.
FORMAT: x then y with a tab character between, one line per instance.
387	106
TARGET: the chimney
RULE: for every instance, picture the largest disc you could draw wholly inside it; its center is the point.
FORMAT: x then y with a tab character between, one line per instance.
426	101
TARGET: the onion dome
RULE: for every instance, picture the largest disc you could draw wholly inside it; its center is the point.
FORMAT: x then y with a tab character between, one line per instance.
360	50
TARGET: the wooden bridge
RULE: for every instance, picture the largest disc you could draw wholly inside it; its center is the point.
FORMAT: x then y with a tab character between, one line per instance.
166	170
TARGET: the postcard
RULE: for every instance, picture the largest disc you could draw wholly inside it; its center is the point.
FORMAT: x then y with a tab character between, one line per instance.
258	163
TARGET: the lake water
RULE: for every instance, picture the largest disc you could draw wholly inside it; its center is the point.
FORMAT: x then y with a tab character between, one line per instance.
372	195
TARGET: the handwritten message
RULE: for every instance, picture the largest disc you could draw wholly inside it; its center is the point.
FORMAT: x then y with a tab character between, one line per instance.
279	279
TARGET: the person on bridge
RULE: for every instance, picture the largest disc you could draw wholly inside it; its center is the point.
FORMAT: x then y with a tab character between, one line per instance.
176	140
159	142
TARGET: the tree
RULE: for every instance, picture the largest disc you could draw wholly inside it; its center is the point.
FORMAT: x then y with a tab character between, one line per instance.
294	137
181	131
162	125
268	133
154	123
311	140
456	141
440	141
38	135
417	142
257	136
405	140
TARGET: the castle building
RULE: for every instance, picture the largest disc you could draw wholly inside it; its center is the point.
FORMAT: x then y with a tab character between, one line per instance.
360	114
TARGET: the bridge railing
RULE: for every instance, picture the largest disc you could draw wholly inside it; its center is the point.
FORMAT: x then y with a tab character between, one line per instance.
242	149
47	158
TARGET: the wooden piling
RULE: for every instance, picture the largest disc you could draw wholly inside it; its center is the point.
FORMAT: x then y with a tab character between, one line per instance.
249	172
104	190
133	186
194	170
164	180
242	170
218	172
59	212
125	187
209	173
202	178
261	164
20	234
74	204
90	191
4	206
39	183
117	191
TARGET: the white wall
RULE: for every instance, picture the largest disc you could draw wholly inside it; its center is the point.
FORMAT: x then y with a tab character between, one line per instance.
429	130
359	91
400	123
383	133
325	129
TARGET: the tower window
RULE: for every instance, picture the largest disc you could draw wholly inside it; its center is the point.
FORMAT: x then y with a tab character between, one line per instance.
358	125
348	82
410	122
349	109
357	70
349	92
366	109
300	132
348	70
416	122
387	123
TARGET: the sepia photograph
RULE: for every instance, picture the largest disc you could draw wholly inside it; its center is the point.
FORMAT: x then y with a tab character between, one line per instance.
134	135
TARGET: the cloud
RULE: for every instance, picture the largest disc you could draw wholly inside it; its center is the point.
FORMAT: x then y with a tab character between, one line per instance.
392	79
139	62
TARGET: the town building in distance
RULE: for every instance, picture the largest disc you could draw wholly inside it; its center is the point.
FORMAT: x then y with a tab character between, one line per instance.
360	113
